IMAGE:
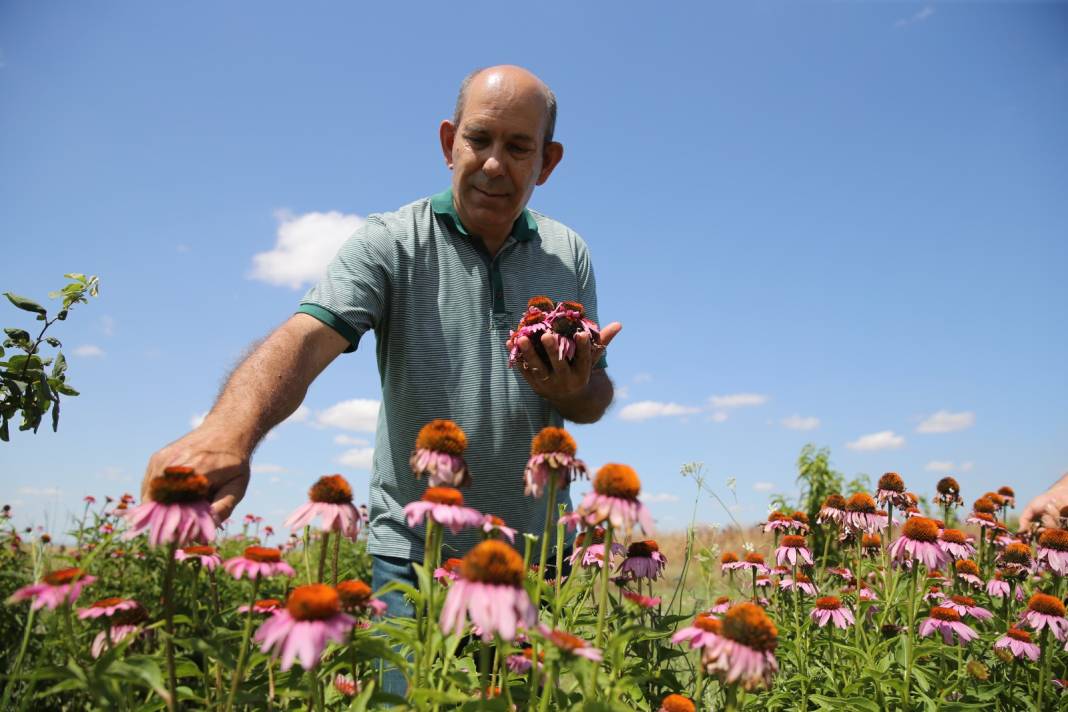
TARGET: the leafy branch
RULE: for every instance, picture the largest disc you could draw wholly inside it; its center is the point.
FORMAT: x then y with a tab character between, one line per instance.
25	385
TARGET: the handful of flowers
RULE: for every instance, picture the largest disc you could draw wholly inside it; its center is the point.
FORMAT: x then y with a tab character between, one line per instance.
565	319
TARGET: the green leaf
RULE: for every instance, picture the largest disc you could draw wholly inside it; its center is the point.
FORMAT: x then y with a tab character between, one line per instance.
59	366
55	416
53	342
25	304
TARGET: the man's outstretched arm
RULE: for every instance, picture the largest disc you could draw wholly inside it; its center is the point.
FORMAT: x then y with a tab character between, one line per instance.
261	392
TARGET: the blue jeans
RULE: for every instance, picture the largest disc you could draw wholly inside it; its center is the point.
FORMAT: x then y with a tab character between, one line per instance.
384	570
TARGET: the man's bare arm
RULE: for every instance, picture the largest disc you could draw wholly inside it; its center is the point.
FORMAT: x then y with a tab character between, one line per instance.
262	391
589	405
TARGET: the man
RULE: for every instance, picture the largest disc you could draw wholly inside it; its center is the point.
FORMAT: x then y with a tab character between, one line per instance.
440	281
1045	508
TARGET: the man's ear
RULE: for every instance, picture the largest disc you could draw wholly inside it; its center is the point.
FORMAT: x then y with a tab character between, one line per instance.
551	157
447	134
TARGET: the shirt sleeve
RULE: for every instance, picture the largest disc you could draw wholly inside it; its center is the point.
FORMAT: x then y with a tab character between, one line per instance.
353	295
587	287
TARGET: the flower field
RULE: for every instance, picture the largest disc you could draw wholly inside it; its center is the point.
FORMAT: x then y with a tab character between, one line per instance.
867	601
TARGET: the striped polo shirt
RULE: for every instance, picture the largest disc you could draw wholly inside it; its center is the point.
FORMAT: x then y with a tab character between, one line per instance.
441	308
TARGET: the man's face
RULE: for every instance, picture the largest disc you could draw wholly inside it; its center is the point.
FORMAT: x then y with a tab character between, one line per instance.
497	154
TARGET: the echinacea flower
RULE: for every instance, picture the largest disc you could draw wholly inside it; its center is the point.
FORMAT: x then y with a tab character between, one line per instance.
968	571
729	562
448	571
861	515
956	544
615	499
721	605
347	685
934	595
1018	642
123	616
948	492
965	606
206	556
1008	494
644	560
262	606
891	490
745	654
641	601
792	549
444	505
107	607
552	454
56	588
833	510
704	631
1044	611
177	511
919	542
947	622
799	522
565	321
329	499
843	573
777	522
1053	550
489	591
493	525
829	609
755	562
356	598
570	645
439	450
871	544
521	663
532	325
590	545
117	633
676	703
258	561
802	583
300	631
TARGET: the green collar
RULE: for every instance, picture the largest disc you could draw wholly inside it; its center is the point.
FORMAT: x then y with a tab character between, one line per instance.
524	228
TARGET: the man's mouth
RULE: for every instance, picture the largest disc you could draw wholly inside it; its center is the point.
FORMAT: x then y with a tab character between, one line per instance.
490	195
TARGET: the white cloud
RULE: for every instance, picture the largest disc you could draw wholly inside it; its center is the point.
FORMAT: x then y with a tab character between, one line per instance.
358	458
197	419
107	325
945	466
719	416
299	415
919	16
305	244
796	422
266	468
658	497
40	491
966	466
350	441
763	486
738	400
883	440
360	414
643	410
622	392
275	480
642	377
945	422
88	351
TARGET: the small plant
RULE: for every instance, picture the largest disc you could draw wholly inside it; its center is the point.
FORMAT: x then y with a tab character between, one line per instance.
25	385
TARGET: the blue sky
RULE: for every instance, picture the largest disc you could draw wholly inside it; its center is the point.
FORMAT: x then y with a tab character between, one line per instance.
836	223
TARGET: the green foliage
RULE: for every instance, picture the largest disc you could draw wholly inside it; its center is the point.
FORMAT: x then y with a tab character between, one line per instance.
26	382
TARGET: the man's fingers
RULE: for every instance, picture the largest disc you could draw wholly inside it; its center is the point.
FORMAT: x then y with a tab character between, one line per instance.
551	343
609	332
530	356
584	354
227	497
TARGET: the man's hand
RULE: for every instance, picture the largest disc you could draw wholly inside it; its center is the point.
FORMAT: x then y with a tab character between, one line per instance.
210	454
1045	508
567	383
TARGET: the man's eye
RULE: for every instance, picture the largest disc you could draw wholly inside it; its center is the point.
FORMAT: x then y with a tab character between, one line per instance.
477	140
519	150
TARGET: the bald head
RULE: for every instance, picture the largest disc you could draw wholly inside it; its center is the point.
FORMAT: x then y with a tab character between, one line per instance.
518	83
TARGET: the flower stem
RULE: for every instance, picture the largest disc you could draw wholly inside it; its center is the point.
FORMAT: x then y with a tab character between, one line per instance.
550	505
14	676
602	609
168	605
337	551
1043	665
324	544
242	654
699	692
559	568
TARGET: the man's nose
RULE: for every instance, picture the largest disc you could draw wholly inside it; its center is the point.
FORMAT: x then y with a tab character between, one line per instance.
493	166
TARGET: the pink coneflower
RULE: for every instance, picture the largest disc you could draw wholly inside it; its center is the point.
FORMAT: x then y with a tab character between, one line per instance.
803	583
644	560
871	544
329	499
590	544
833	510
532	325
312	617
843	573
118	632
965	606
521	663
948	492
439	450
347	685
861	515
107	607
1008	494
1018	643
777	522
676	703
934	595
493	525
919	542
444	505
268	531
755	562
793	548
249	518
177	511
968	571
704	631
262	606
956	544
490	591
721	605
642	601
983	520
356	598
1044	610
448	571
615	499
891	490
258	561
570	644
552	453
89	499
1053	550
829	609
62	586
206	556
947	622
746	652
729	562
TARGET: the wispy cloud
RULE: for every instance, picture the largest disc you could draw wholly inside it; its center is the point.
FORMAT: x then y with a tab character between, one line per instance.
350	441
763	486
266	468
738	400
946	422
197	419
40	491
300	415
107	325
719	416
303	247
658	497
643	410
883	440
919	16
359	414
622	392
945	466
357	458
642	377
796	422
88	351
